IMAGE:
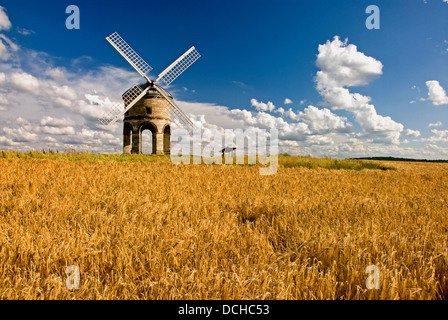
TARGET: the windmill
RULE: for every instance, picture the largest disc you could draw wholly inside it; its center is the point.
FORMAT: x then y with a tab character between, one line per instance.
148	105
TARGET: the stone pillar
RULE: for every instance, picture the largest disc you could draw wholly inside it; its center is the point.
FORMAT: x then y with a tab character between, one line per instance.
166	143
127	143
127	133
137	142
159	142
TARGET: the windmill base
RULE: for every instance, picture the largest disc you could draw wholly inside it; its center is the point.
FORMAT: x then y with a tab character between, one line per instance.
132	136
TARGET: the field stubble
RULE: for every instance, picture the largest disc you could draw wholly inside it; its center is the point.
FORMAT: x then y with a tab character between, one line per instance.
160	231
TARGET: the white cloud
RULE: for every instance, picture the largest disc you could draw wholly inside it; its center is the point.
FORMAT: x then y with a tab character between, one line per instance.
25	32
56	73
54	122
6	47
56	130
439	136
321	121
3	102
412	133
23	81
280	110
20	134
49	90
436	124
342	65
313	127
6	44
5	24
215	114
287	101
211	116
261	106
436	93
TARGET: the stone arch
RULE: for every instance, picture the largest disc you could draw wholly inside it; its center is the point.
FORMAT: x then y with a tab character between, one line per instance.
151	127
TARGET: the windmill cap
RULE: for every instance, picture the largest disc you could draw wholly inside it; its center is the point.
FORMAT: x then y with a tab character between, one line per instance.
152	91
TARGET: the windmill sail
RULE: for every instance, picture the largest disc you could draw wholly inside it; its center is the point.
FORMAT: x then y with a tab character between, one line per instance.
133	93
118	111
130	55
179	66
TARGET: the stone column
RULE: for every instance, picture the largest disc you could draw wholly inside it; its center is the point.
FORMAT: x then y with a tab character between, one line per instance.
166	143
159	143
136	142
127	143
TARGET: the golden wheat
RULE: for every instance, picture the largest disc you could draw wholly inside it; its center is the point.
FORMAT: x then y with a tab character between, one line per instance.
161	231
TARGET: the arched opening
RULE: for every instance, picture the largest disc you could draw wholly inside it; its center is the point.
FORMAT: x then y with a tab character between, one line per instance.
166	139
148	138
127	138
147	142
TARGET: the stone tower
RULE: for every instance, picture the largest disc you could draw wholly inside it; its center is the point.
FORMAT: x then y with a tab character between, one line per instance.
150	113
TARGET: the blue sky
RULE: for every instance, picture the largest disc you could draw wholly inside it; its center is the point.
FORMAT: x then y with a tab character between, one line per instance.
253	53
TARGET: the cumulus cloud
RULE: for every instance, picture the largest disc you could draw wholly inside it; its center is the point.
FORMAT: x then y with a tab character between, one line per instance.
3	102
280	110
20	134
261	106
54	93
56	130
313	128
23	81
412	133
342	65
55	122
436	93
5	24
308	126
321	121
6	47
287	101
56	73
435	124
439	136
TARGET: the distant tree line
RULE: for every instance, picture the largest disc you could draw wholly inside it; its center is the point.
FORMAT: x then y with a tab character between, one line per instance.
400	159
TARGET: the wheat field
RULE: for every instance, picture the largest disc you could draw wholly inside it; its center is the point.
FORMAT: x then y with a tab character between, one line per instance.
153	230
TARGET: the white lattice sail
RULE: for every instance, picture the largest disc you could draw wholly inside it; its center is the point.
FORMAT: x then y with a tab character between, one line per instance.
133	93
108	117
179	66
117	111
129	54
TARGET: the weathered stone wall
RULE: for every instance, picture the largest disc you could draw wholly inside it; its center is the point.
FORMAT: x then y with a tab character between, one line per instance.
150	113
